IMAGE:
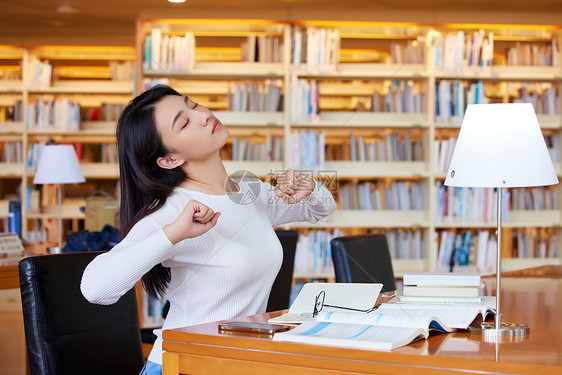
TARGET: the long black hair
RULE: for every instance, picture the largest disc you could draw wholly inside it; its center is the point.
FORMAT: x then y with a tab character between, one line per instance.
144	186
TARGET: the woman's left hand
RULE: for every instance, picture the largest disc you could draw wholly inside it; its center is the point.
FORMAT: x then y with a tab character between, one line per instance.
293	186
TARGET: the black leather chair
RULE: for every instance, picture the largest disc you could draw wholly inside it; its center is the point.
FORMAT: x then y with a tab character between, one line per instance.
363	259
65	334
280	295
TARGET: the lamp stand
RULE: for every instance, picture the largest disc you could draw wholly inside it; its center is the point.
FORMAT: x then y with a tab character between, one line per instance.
60	216
497	328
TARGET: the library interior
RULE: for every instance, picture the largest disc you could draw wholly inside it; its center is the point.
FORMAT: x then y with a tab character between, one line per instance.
365	97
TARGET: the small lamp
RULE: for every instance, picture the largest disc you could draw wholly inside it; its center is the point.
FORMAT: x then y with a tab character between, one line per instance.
500	145
58	164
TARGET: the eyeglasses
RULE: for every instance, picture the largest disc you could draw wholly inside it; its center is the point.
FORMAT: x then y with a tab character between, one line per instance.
319	305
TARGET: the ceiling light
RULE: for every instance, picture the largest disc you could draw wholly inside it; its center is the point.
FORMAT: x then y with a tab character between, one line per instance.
67	9
176	1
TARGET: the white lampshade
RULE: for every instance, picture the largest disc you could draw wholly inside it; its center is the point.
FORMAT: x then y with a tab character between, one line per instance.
500	145
58	164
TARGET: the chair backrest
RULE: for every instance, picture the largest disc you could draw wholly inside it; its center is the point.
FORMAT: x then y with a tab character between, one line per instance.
65	334
280	295
363	259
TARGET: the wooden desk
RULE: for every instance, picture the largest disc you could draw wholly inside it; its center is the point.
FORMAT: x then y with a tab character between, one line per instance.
9	277
536	302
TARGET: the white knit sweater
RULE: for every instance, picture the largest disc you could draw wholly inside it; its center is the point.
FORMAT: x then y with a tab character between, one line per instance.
224	273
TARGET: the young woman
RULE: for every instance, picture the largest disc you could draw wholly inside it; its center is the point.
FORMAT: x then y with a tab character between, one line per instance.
196	238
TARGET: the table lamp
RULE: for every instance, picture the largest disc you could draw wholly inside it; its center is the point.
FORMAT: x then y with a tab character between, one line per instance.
500	145
58	164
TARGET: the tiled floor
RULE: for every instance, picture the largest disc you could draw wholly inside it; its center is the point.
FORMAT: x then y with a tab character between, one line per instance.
12	339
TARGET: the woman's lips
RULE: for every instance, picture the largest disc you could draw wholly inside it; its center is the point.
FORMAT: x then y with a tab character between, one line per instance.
216	126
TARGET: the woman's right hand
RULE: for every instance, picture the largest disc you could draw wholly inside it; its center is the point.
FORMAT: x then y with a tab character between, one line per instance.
195	220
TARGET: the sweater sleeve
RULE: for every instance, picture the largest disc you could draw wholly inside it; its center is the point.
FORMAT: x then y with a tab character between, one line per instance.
317	206
112	274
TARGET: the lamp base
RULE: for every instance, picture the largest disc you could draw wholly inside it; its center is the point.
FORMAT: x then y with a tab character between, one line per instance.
488	330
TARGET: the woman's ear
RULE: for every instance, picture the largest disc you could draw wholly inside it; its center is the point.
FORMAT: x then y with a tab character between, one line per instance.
169	162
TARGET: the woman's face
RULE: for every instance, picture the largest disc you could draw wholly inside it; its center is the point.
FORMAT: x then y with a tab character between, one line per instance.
189	130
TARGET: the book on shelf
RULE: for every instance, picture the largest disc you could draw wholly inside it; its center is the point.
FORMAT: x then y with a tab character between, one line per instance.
378	195
524	54
313	254
455	52
390	326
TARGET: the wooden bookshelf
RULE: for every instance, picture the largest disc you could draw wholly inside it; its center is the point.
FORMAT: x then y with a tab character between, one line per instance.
345	91
367	64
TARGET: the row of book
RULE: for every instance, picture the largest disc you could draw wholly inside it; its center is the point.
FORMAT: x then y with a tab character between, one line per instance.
96	152
122	70
405	243
478	249
152	310
536	198
531	243
452	98
9	113
246	149
466	204
459	250
85	152
262	48
106	112
456	52
524	54
314	254
306	150
401	97
443	151
371	195
411	52
169	53
305	100
266	96
395	146
53	114
316	49
543	96
11	152
40	73
41	231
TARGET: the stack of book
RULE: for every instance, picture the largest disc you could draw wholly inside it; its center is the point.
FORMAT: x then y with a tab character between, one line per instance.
441	288
11	249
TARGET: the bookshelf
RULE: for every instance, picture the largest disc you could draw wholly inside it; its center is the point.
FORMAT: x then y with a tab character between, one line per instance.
60	94
367	87
380	84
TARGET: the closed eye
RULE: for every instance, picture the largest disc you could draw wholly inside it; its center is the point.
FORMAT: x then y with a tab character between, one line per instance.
195	105
187	122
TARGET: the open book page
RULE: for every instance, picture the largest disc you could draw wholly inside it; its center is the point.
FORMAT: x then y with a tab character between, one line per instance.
442	319
350	295
393	318
352	335
487	306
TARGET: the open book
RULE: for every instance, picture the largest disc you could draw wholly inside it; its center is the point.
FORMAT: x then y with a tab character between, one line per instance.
388	327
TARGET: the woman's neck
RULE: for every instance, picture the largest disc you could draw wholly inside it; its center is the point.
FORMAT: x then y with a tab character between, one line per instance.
208	176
